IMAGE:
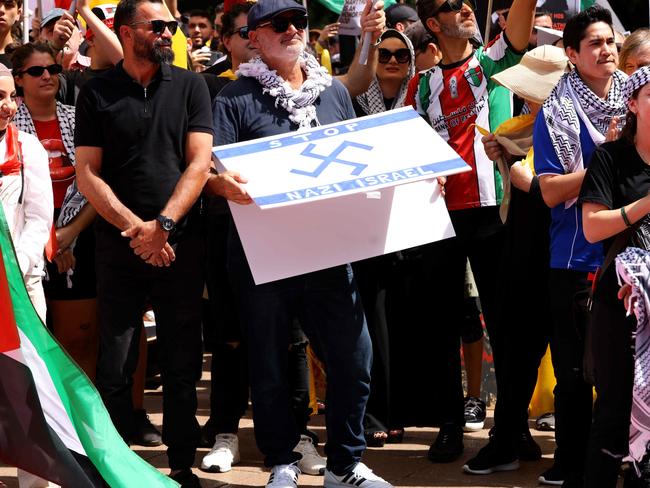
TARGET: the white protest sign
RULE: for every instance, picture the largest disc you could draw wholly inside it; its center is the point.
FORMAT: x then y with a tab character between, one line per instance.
340	193
357	155
350	18
288	241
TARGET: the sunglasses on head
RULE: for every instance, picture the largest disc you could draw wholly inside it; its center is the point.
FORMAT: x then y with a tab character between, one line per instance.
451	6
37	71
242	31
281	24
158	26
402	56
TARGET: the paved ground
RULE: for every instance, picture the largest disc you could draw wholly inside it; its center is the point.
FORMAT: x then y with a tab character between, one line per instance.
404	465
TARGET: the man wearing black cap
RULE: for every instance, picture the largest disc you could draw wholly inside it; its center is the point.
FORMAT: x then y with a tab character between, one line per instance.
400	16
326	302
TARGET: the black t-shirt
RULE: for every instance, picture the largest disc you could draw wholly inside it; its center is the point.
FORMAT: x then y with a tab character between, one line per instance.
142	132
242	112
616	176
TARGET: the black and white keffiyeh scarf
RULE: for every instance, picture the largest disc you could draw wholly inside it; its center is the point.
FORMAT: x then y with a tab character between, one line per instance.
299	103
633	268
638	79
73	201
571	101
372	100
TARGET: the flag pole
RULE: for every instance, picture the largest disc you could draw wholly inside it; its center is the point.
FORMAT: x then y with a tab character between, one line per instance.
488	21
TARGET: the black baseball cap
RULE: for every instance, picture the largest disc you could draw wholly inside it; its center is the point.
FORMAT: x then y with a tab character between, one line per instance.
266	9
400	13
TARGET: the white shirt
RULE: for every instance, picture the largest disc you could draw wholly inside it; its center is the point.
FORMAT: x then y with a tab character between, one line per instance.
30	221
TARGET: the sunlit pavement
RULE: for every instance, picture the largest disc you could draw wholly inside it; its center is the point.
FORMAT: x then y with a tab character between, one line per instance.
402	464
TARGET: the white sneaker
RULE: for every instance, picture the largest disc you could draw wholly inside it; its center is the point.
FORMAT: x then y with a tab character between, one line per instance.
360	477
223	455
284	476
311	462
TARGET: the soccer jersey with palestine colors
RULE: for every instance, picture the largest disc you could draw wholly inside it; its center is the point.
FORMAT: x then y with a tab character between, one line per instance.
451	98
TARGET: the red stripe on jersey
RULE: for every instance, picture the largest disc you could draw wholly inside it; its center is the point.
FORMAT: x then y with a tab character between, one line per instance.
458	99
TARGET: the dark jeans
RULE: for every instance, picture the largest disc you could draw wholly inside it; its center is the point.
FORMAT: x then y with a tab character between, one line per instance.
329	311
125	285
229	371
573	396
612	349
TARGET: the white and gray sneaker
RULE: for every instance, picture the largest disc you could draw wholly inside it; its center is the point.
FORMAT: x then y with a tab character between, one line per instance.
360	477
311	462
284	476
223	455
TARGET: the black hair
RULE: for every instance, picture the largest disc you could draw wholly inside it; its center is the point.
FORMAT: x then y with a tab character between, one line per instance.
419	36
575	28
228	19
426	9
22	53
199	13
125	13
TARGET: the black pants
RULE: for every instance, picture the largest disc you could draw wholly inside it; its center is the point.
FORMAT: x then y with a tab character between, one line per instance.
125	284
573	396
612	349
524	313
415	306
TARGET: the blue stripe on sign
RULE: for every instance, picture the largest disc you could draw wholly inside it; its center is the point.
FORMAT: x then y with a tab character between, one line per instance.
368	182
302	137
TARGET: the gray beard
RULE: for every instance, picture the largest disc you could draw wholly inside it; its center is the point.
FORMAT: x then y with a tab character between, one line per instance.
458	32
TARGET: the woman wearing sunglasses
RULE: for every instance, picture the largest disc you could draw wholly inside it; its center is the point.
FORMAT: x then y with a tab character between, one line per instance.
383	421
70	283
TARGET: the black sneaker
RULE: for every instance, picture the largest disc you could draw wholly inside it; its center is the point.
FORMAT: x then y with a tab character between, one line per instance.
552	476
529	450
145	433
475	409
186	479
490	459
448	446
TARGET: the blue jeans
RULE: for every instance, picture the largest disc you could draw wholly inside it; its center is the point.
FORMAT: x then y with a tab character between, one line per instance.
327	305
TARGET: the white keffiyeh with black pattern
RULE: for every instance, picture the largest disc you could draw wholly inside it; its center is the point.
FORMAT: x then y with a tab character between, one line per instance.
571	101
299	103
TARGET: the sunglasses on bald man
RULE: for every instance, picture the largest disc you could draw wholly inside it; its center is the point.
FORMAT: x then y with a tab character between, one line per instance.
452	6
281	24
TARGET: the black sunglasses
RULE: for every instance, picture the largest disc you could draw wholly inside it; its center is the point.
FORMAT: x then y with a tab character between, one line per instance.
158	26
242	31
402	56
452	6
37	71
281	24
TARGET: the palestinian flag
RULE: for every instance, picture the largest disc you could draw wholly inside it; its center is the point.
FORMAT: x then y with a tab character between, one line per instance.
52	420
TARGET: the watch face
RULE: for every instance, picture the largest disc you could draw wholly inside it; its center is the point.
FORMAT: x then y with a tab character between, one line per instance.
168	224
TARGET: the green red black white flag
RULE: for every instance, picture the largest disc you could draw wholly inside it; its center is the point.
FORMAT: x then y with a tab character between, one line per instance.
53	422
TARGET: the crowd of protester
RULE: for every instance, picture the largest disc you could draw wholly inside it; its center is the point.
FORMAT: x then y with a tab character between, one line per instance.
116	208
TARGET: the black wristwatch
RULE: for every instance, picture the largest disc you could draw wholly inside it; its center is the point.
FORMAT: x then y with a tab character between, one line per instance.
166	223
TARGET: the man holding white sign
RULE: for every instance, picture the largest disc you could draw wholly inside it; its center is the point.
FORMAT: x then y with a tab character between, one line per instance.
279	91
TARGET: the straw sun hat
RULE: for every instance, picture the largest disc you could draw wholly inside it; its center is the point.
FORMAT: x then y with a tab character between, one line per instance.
536	74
